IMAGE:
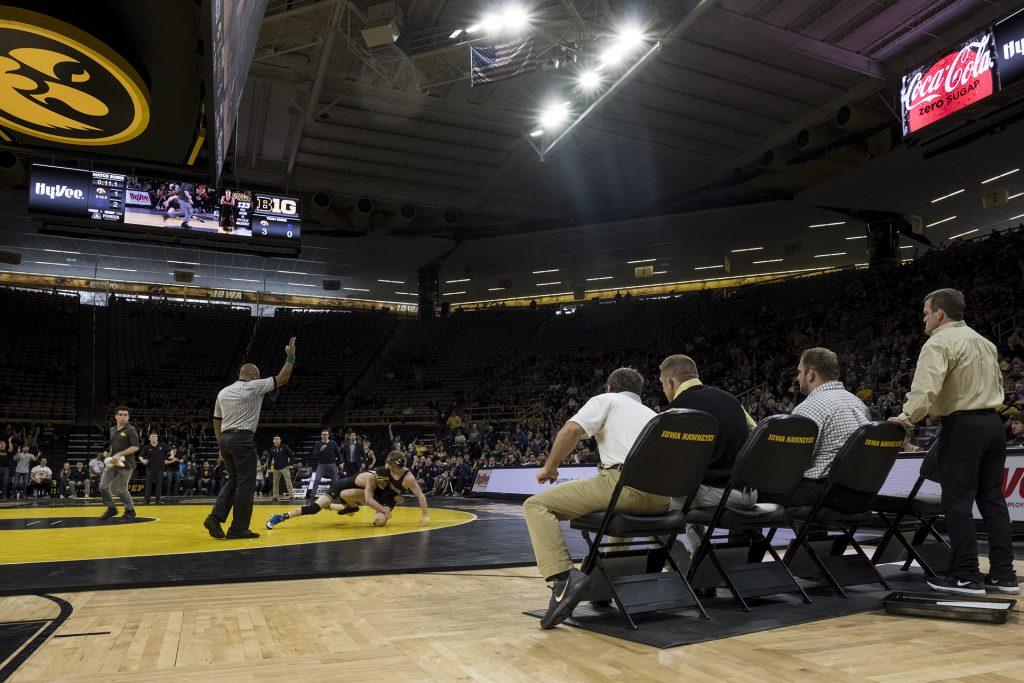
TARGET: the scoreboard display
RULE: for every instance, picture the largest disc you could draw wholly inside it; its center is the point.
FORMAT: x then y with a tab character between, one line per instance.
162	206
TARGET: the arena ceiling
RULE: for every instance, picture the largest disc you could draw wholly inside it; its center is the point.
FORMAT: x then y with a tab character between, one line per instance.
672	167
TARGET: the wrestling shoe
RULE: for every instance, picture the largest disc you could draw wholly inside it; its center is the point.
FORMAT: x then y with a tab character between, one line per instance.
1003	585
213	526
351	509
952	584
185	225
274	521
108	513
128	514
565	595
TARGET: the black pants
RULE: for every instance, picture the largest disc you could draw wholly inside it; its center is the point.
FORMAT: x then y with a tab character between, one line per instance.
971	459
154	482
239	452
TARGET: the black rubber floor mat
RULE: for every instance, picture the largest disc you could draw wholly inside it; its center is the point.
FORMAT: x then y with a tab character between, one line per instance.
684	627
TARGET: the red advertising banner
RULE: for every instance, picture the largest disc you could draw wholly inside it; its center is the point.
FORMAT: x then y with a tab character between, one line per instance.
959	79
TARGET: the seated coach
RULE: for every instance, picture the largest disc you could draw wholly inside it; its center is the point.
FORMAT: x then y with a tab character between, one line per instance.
683	389
615	419
838	414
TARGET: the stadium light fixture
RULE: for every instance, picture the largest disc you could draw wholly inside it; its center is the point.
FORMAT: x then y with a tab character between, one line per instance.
740	251
769	260
837	253
514	18
51	263
947	196
473	28
62	251
392	282
962	234
554	115
940	222
495	289
451	282
709	267
590	80
643	260
355	289
455	34
549	270
299	284
1001	175
826	225
1014	196
857	237
1013	218
547	284
603	277
537	133
133	270
451	293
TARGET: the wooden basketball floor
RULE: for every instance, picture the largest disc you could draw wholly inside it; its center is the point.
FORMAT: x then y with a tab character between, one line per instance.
463	626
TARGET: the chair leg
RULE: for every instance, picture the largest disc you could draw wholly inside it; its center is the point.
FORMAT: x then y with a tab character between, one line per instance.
831	580
599	566
775	556
696	601
728	582
883	543
860	551
934	532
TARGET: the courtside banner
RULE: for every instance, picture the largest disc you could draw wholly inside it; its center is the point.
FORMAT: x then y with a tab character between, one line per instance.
1009	35
958	79
523	480
904	473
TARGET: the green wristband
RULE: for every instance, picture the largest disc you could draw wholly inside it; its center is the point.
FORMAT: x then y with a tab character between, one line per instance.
290	358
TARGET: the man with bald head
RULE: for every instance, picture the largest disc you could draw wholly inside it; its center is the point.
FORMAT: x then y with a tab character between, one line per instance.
235	418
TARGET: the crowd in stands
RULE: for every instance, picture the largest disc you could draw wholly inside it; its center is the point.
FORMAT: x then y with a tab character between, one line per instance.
174	357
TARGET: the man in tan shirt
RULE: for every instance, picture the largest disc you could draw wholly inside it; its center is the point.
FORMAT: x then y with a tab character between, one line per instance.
958	381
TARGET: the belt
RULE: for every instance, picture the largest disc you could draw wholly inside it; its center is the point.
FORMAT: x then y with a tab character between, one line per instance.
980	411
236	431
611	467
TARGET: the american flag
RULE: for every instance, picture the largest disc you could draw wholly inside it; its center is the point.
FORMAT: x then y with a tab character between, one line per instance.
499	62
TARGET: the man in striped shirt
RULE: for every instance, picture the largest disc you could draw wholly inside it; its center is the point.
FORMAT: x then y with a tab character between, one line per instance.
235	417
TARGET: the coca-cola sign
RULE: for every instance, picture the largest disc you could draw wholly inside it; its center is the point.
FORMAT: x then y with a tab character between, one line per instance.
957	80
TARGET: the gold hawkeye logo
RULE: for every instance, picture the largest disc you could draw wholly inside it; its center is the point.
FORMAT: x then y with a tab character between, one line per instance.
61	84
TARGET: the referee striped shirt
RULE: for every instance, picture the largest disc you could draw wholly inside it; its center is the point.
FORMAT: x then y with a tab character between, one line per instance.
238	405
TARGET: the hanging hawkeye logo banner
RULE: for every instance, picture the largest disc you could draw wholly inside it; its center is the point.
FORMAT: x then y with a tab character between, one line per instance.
60	84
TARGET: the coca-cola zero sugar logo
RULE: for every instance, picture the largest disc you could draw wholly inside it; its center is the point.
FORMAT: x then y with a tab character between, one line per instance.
958	80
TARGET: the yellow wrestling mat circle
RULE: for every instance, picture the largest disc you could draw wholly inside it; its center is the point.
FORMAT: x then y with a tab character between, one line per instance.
178	529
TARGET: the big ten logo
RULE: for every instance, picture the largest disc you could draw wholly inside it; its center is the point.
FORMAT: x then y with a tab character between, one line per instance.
1013	483
278	205
782	438
60	84
687	436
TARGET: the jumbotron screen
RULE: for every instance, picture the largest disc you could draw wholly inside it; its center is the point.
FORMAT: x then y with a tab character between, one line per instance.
184	207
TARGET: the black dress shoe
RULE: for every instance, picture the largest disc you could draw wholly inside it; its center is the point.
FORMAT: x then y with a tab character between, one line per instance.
565	596
213	526
242	534
108	513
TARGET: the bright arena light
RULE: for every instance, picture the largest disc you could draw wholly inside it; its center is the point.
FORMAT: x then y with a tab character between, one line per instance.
514	18
490	22
590	80
554	116
630	38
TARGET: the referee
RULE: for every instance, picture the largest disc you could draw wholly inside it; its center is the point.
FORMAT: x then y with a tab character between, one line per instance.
958	380
235	417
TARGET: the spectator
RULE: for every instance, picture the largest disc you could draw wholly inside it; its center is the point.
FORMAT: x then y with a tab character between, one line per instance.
80	484
204	484
173	466
1016	439
6	470
96	467
65	485
23	467
42	479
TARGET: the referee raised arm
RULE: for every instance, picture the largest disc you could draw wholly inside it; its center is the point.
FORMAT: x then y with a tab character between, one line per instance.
235	418
958	380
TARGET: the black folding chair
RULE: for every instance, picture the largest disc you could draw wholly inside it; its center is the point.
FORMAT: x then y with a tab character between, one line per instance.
860	466
923	508
772	460
668	458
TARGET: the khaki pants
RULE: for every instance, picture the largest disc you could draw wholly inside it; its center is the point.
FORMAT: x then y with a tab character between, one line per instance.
283	475
710	497
574	499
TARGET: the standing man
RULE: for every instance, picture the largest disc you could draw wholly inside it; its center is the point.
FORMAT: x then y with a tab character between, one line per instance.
235	417
173	463
615	419
353	455
120	464
280	459
153	456
326	455
22	467
958	380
